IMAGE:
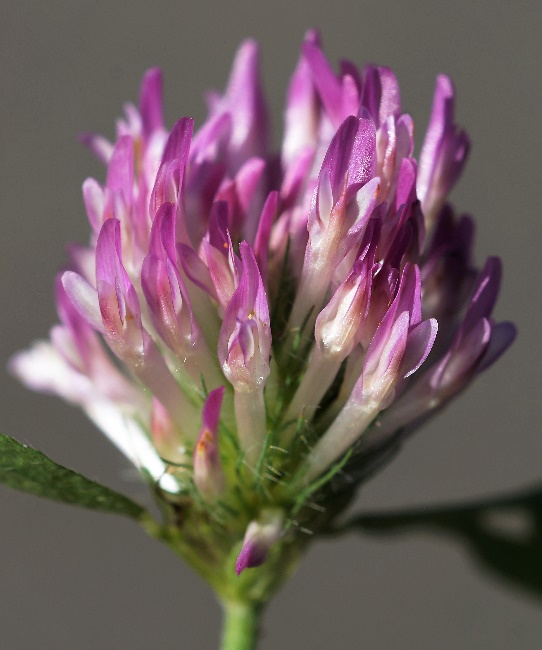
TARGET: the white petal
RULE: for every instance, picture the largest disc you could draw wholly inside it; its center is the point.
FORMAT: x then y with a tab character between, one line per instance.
84	298
43	369
131	440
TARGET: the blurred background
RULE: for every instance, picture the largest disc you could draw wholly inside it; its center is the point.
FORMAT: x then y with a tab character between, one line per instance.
77	579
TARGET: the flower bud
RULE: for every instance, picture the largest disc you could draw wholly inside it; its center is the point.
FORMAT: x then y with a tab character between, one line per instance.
208	472
444	152
245	338
259	538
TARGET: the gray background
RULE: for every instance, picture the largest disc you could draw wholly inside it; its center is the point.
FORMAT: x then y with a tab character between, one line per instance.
74	579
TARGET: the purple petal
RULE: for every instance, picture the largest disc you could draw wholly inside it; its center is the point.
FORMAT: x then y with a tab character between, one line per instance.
247	315
164	288
252	555
338	323
325	80
502	337
93	197
211	409
120	172
365	202
351	157
170	175
444	151
381	369
261	240
419	343
244	100
248	198
118	300
163	236
302	110
195	269
459	365
256	292
211	139
485	292
75	327
295	177
349	69
404	128
380	95
259	537
208	472
409	294
405	193
222	262
84	298
98	145
407	301
442	114
350	95
150	102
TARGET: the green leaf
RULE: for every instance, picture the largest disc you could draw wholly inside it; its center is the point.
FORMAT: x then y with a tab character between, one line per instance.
26	469
504	535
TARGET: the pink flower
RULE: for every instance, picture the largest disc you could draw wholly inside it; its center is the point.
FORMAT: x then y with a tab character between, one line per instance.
242	318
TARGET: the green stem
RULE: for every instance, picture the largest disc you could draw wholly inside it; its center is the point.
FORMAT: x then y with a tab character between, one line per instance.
241	626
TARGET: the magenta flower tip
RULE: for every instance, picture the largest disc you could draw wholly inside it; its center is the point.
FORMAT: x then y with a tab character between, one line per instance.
247	560
260	536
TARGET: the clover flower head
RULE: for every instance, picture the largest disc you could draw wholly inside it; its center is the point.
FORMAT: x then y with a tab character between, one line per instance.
258	330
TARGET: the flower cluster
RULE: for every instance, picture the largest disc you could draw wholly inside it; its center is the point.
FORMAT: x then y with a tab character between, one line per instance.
258	331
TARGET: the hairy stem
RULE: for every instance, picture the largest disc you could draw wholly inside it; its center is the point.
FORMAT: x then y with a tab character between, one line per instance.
241	626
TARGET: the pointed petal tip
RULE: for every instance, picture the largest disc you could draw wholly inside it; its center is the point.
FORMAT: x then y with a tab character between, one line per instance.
259	537
242	561
444	85
252	555
249	47
503	336
312	35
150	101
83	297
97	145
